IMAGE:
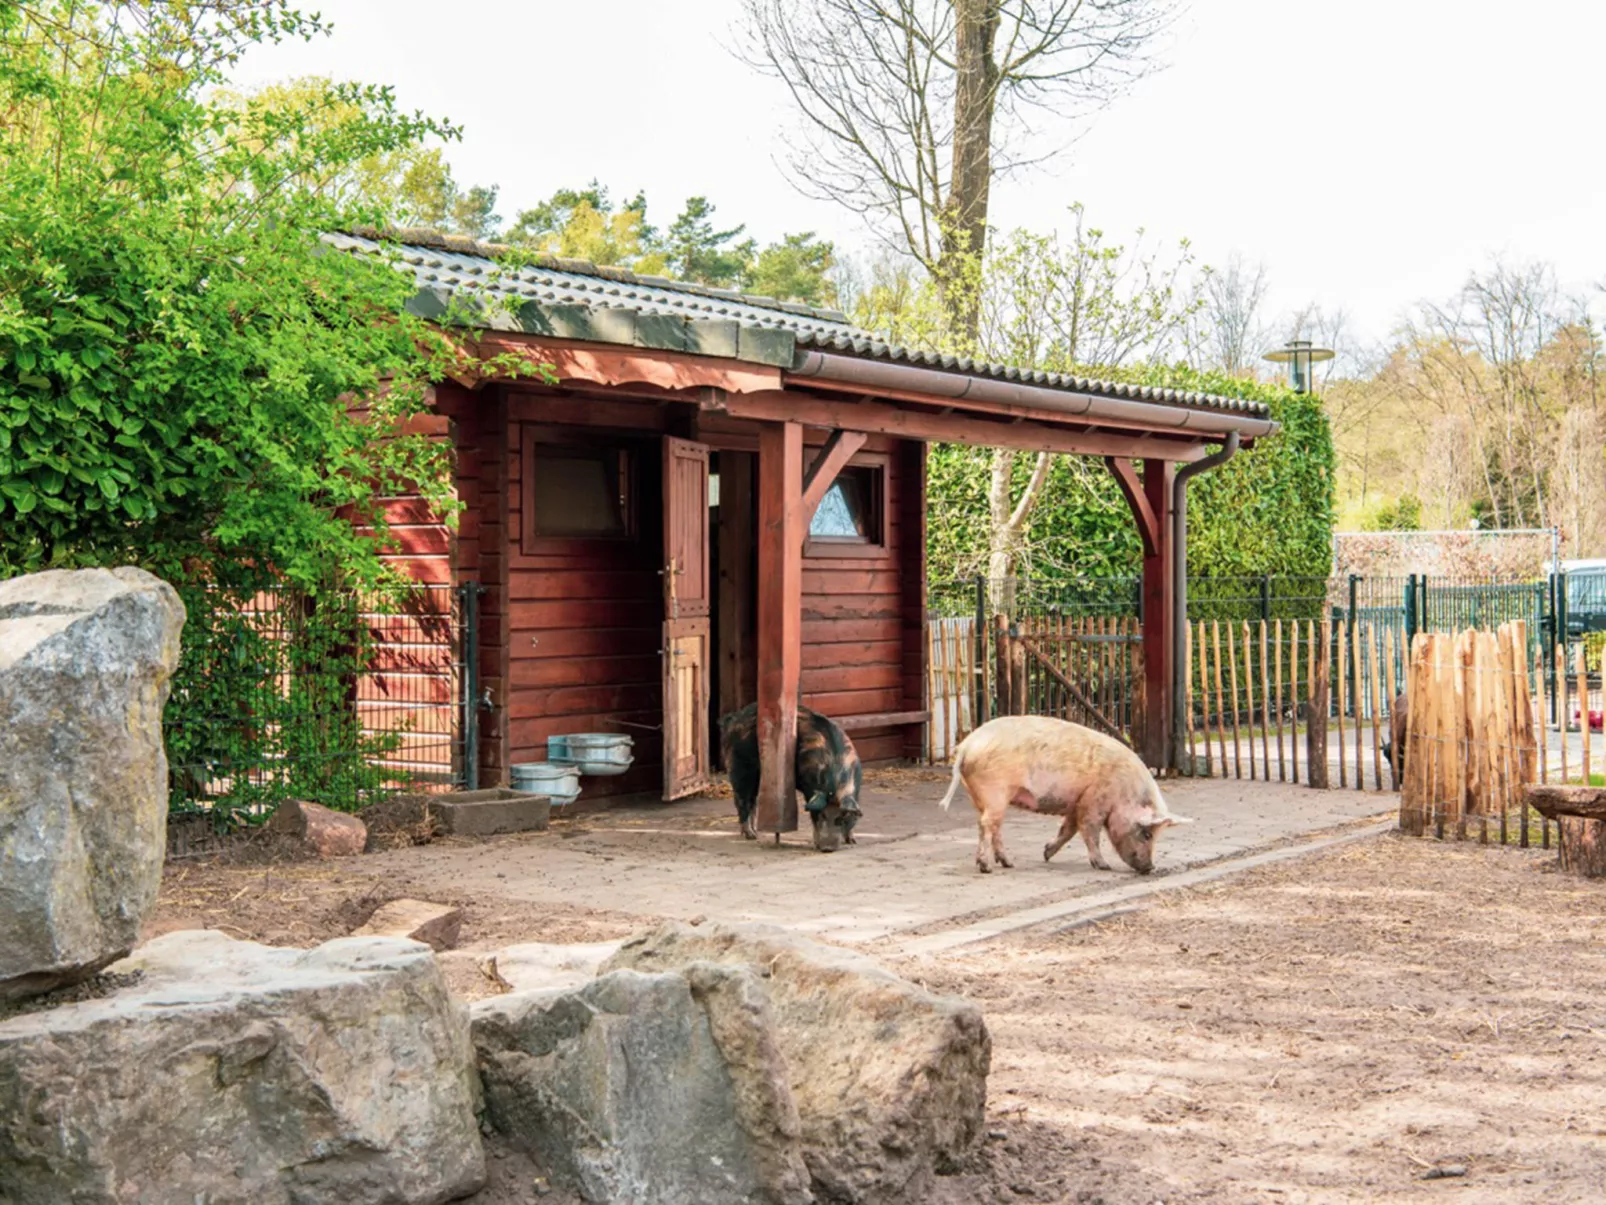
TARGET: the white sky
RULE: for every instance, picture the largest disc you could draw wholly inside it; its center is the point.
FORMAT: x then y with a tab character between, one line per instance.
1371	152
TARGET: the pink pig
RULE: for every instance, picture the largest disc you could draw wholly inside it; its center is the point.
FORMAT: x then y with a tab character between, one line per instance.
1057	768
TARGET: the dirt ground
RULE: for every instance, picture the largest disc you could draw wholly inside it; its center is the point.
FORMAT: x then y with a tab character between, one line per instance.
1340	1027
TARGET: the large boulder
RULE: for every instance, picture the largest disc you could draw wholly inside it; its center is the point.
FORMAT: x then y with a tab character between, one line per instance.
234	1072
662	1089
85	661
889	1081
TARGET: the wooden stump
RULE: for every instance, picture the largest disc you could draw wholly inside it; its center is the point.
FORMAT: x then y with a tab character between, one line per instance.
1583	846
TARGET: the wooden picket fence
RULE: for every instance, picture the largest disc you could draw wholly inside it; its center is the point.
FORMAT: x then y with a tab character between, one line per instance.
1476	737
951	684
1086	669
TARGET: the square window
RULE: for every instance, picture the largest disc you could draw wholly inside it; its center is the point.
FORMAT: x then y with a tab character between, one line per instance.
579	493
850	512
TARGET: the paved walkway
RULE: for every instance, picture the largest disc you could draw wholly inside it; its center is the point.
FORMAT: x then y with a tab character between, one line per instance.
911	875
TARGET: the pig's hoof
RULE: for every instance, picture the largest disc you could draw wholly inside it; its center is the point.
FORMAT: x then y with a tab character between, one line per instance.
750	830
1005	862
983	867
1048	851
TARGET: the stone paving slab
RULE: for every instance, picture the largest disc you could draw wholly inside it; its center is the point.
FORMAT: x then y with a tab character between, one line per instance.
911	874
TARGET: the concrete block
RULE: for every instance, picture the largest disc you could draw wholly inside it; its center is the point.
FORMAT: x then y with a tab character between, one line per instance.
486	813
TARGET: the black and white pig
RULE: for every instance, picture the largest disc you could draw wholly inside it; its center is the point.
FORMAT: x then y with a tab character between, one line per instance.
827	771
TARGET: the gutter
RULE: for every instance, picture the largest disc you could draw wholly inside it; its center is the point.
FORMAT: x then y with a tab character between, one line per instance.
1179	586
868	376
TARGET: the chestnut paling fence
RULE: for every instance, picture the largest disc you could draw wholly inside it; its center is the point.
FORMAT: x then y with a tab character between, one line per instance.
1304	693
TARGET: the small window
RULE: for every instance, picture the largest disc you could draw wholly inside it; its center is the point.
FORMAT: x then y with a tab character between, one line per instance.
850	512
581	493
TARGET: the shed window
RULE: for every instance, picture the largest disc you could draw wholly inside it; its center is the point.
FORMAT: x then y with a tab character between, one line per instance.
580	492
851	508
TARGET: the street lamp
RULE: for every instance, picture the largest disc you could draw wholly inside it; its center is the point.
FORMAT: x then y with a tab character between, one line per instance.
1299	355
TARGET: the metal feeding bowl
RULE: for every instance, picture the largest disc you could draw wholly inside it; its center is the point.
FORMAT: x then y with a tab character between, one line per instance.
598	753
559	783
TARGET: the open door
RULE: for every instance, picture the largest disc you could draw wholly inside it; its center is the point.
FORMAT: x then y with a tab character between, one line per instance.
686	618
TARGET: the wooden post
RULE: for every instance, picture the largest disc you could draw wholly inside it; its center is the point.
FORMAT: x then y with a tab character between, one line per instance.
1159	599
1316	724
1583	711
1204	695
1232	680
1393	682
1293	698
1249	692
1221	707
1343	701
780	618
1001	660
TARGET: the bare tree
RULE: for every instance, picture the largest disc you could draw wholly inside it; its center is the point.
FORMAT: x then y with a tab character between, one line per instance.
911	108
1227	333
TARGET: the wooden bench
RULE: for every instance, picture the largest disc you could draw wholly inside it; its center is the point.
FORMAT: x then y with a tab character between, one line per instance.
1580	816
884	719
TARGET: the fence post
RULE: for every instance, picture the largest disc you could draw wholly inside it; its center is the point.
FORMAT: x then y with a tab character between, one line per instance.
1001	662
979	687
1316	722
1410	615
469	601
1265	598
1354	608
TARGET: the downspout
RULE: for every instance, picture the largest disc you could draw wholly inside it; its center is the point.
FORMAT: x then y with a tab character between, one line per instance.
1179	584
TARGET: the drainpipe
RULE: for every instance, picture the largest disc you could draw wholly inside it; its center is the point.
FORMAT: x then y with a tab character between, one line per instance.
1179	573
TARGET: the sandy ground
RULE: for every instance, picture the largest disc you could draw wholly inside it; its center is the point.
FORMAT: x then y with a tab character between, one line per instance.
1334	1028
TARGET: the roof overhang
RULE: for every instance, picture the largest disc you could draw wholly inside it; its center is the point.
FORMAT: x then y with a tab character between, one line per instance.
838	392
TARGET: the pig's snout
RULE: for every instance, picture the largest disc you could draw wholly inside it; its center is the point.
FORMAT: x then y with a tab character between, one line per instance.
829	830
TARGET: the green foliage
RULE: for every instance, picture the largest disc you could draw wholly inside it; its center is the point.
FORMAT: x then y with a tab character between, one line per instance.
798	268
179	353
1403	514
261	705
586	224
1269	510
696	251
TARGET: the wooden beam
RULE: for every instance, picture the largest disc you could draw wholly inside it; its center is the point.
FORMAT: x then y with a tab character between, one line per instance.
881	418
1126	476
838	450
1159	599
886	719
780	620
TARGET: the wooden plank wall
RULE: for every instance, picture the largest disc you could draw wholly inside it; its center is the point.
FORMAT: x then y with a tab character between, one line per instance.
864	612
585	621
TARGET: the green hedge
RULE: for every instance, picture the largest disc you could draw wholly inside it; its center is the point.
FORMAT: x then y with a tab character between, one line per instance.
1268	510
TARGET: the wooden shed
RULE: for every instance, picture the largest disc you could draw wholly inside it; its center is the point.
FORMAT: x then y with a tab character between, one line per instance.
721	499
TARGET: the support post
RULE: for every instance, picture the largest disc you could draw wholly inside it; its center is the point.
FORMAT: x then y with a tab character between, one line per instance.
1159	602
780	618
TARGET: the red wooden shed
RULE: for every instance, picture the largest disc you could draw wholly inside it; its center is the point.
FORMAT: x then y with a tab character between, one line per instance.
722	500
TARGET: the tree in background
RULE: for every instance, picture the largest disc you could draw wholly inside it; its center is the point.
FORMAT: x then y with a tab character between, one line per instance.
909	110
180	355
1487	406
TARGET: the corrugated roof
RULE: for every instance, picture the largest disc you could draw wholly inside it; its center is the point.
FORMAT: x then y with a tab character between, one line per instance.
577	299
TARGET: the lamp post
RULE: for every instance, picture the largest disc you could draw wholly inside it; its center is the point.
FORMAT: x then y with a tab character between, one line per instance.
1299	355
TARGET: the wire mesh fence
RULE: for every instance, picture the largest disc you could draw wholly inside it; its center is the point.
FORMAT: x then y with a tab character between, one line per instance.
338	697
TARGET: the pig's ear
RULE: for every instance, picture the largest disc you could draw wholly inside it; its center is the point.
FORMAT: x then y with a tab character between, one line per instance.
1173	820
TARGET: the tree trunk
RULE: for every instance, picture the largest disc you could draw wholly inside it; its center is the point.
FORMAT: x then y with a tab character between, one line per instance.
964	233
1582	846
1006	523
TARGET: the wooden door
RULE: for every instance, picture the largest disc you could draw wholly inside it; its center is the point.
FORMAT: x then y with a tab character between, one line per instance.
686	618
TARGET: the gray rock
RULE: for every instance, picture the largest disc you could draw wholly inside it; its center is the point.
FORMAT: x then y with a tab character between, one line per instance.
536	966
889	1081
236	1073
85	662
646	1089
